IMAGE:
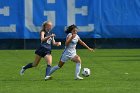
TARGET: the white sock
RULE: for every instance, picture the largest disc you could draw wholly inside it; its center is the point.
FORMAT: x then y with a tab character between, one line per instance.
78	68
53	69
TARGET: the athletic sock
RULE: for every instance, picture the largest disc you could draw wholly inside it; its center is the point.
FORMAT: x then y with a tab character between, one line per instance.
48	70
54	69
77	70
28	66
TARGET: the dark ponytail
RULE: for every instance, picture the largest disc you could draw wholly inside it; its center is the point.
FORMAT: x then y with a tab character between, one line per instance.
70	28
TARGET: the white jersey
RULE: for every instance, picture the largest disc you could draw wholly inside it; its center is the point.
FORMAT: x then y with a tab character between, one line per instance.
70	50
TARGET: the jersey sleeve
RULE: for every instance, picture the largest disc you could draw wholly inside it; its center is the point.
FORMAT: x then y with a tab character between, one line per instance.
78	37
69	34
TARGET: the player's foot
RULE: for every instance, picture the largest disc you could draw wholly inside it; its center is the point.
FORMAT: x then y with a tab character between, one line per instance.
22	71
48	77
78	78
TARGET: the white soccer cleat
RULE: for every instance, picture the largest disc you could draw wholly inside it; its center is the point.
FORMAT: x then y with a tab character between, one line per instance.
22	71
78	78
48	77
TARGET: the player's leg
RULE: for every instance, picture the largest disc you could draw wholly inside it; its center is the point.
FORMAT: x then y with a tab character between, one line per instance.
63	59
48	59
77	60
30	65
53	69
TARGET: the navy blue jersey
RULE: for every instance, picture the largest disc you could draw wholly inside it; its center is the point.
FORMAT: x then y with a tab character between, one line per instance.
45	46
47	43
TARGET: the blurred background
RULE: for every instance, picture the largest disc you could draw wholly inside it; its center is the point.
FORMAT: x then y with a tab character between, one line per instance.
101	23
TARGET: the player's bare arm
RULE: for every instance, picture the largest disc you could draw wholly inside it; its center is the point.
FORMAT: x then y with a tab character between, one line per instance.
56	43
85	45
45	38
69	38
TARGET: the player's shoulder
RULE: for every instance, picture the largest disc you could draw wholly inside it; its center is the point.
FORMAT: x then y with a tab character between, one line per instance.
69	34
42	31
77	36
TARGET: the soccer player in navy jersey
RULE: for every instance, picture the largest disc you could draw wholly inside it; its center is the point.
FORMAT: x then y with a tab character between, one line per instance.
70	51
46	37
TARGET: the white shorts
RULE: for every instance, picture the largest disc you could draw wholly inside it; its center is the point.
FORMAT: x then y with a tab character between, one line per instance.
67	56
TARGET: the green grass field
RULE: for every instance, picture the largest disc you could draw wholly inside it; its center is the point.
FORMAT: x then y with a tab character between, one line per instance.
112	71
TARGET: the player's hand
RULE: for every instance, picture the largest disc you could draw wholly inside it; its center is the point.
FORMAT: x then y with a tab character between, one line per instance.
52	35
90	49
58	44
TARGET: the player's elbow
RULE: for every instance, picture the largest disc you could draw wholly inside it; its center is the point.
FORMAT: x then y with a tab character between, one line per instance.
66	44
42	39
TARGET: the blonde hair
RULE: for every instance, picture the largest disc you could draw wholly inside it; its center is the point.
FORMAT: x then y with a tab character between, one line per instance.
45	23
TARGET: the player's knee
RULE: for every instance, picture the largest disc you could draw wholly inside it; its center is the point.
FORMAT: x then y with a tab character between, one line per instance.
78	59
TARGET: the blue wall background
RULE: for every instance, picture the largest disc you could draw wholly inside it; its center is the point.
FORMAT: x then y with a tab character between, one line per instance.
22	19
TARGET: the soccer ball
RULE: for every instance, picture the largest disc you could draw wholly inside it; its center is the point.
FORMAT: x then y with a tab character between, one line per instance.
86	72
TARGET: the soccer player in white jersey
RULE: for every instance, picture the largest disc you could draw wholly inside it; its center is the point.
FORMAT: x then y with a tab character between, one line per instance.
70	51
